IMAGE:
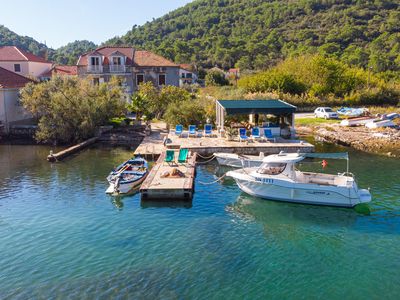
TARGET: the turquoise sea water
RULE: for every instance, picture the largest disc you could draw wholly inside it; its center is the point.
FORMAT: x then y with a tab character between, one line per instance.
62	237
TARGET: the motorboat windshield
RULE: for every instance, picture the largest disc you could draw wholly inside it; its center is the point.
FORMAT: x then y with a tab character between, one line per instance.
272	168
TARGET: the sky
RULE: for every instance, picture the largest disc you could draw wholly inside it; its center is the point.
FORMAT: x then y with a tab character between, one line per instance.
58	22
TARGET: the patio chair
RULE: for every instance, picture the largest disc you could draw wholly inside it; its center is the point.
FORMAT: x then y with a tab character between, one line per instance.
179	130
242	135
268	135
169	156
183	155
208	130
255	133
192	130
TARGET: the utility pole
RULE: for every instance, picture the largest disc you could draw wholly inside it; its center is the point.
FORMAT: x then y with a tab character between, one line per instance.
369	76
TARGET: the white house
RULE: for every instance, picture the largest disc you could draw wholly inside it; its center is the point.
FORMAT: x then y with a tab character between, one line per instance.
187	75
24	63
131	65
11	111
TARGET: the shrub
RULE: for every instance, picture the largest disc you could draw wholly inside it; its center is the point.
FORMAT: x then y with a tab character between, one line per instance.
71	109
186	112
320	80
216	78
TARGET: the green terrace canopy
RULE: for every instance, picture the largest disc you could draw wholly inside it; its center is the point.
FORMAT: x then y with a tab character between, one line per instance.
282	110
273	107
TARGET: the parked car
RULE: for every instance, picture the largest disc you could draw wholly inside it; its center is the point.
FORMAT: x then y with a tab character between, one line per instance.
326	113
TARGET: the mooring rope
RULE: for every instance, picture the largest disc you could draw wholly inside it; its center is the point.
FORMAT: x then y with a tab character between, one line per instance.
204	157
212	182
207	161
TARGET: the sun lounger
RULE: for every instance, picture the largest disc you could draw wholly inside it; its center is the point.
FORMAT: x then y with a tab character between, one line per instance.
208	130
183	154
179	130
169	156
268	135
192	130
255	133
242	135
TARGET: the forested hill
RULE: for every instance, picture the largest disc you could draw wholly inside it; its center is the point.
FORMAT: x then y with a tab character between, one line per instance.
10	38
67	54
252	34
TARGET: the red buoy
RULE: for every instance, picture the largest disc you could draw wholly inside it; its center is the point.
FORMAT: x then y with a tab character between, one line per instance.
324	164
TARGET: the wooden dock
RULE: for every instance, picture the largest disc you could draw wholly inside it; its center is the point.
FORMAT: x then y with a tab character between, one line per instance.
157	186
152	146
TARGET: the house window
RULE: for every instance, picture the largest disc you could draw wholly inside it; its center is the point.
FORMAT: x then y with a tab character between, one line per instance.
188	75
116	60
161	79
17	68
139	79
94	61
19	99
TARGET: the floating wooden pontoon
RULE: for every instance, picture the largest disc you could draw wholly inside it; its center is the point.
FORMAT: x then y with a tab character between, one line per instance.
161	184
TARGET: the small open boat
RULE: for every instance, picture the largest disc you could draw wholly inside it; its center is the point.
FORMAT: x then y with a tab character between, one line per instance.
239	161
127	176
356	121
278	179
380	123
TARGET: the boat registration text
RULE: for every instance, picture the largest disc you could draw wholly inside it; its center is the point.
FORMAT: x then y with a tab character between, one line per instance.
264	180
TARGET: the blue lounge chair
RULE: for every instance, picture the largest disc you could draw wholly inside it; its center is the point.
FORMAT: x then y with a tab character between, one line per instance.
242	135
192	130
179	130
208	130
268	134
255	133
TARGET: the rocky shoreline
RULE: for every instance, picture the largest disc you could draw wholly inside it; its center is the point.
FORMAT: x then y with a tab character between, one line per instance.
380	141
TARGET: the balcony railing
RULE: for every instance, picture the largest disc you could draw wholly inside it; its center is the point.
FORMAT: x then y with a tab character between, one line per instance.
117	69
94	69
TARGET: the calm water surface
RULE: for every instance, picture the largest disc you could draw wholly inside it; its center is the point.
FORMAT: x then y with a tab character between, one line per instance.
62	237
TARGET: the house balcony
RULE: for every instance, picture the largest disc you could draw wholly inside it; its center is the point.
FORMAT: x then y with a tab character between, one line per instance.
107	69
94	69
118	69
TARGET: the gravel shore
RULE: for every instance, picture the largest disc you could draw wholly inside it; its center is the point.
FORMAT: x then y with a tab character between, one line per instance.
385	141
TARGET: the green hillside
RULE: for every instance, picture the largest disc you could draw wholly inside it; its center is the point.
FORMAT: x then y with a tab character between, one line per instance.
10	38
67	54
70	53
253	34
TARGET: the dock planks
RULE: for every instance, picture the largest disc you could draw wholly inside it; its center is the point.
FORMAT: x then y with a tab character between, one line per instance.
171	188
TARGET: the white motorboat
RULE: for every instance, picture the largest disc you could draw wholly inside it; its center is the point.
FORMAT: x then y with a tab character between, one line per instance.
127	176
380	123
357	121
239	161
278	179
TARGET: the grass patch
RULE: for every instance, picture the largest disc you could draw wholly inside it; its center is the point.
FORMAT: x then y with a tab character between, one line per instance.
118	121
314	121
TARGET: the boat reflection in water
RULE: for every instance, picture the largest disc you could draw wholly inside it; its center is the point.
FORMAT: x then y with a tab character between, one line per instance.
288	220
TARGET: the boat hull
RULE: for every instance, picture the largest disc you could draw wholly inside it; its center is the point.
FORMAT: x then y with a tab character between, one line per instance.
378	124
356	121
280	190
124	188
